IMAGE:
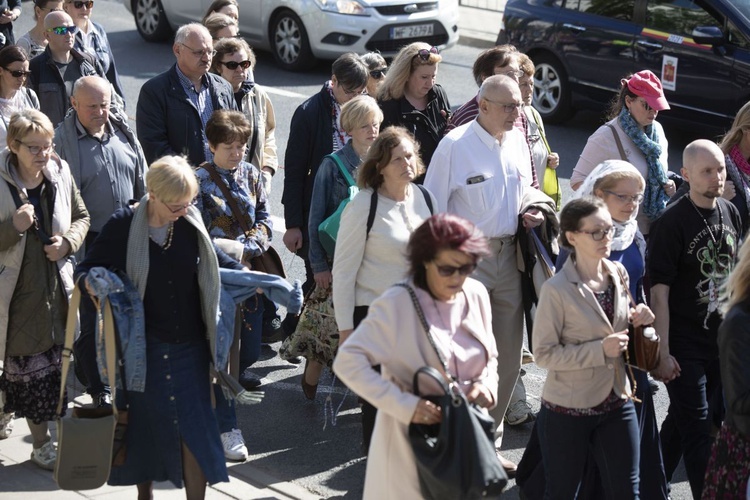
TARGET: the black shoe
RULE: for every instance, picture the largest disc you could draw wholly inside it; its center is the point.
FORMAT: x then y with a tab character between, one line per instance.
249	380
295	360
103	400
272	331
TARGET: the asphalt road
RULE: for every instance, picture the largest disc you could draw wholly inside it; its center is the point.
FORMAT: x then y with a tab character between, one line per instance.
289	437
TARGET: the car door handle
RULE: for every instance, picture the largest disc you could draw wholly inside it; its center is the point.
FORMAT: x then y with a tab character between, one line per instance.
574	27
650	45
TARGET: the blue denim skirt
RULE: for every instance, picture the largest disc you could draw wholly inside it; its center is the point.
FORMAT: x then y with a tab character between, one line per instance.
175	408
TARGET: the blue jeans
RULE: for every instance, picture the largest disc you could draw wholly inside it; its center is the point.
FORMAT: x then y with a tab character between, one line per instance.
612	439
252	328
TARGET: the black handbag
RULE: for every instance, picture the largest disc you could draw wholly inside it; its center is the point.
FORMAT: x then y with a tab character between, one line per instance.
456	458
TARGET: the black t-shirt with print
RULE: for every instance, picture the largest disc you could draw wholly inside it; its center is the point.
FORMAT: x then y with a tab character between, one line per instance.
683	256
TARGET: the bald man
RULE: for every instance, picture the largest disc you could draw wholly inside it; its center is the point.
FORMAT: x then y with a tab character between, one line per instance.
481	171
691	249
54	71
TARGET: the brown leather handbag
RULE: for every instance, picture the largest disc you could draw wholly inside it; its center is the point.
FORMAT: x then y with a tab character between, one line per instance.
644	344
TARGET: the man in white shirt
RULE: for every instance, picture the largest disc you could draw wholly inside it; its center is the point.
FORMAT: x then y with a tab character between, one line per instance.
480	172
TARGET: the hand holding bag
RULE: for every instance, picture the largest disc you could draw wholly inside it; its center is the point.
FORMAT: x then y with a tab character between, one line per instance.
456	458
329	228
85	439
643	349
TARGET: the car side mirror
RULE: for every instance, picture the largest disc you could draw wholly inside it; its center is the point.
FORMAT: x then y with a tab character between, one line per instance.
708	35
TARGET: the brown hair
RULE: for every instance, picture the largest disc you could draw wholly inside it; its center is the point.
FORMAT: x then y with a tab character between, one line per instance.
226	126
618	102
217	5
573	212
226	46
379	156
484	65
217	22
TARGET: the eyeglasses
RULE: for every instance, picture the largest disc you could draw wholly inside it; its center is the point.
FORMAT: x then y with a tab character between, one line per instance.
17	73
508	108
355	91
200	53
424	54
599	234
174	208
234	64
378	73
465	270
516	74
35	150
79	5
624	198
646	106
63	30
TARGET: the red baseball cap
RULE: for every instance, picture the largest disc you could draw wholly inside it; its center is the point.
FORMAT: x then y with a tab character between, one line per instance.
645	84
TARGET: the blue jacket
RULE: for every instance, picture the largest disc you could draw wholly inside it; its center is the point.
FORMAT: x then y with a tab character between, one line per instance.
168	123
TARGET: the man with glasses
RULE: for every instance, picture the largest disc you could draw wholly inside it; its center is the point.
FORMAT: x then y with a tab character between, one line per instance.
108	166
481	172
54	71
174	107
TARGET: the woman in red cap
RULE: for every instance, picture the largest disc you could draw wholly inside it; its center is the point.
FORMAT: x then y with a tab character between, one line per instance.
633	134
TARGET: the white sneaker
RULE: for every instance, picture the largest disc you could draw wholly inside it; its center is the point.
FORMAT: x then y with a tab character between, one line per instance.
234	446
519	413
6	425
46	456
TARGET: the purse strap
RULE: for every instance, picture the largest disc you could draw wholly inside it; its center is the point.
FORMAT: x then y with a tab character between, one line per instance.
625	285
342	168
627	354
228	196
623	156
109	345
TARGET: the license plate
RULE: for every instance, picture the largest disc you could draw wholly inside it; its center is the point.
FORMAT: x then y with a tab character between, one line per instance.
415	31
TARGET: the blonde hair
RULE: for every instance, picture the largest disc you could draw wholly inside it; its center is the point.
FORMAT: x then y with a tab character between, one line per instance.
609	181
358	112
403	65
740	124
217	22
171	179
28	121
737	287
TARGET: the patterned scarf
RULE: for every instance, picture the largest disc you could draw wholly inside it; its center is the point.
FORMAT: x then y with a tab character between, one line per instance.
654	198
738	170
340	137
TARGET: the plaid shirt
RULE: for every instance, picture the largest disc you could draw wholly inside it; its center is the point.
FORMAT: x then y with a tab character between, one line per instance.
202	102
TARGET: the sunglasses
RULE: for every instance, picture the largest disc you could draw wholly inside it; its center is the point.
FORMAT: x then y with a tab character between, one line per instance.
234	64
78	5
18	73
599	234
378	73
424	54
63	30
465	270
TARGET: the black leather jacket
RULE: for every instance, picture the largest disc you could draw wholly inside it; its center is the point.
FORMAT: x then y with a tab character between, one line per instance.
734	360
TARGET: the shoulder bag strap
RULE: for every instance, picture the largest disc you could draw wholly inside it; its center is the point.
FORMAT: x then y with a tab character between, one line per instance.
254	139
625	285
426	327
373	209
618	141
342	168
427	198
228	196
535	114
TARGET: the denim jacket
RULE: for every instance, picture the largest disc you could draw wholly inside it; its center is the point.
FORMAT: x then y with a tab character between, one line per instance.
329	190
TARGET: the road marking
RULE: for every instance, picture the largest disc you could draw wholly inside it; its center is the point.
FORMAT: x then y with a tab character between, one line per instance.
281	92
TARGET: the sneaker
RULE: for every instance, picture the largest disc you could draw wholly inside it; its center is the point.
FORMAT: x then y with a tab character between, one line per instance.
234	446
272	331
519	413
103	400
6	425
46	456
526	356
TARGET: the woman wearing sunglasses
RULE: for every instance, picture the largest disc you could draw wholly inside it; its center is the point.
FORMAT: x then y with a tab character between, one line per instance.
34	41
441	253
409	97
14	95
632	134
377	67
580	335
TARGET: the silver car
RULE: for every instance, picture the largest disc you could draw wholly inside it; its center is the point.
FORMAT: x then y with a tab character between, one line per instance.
298	32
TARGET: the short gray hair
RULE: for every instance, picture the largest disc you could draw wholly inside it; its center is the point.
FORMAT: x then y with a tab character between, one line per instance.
184	31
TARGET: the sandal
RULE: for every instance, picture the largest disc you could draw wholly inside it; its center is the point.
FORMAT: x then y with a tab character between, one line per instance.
309	390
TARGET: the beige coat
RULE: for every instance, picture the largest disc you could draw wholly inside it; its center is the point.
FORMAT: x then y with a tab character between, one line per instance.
392	336
569	327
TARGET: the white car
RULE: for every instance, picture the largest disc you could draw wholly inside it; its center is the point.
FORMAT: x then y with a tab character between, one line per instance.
298	32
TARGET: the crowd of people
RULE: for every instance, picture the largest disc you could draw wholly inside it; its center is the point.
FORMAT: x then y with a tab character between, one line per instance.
438	200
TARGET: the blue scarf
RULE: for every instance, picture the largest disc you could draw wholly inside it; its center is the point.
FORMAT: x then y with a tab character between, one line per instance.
654	198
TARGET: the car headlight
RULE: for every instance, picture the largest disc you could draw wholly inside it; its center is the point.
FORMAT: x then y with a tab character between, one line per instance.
350	7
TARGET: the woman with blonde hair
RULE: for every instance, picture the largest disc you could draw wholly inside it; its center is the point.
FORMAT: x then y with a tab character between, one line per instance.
736	147
409	97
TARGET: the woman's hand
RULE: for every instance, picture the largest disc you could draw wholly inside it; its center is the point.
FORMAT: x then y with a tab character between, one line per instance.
729	191
615	344
23	218
323	279
344	334
670	187
641	315
58	249
480	395
427	413
532	218
553	160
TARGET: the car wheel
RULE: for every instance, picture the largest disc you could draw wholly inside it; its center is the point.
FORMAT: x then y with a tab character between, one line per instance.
151	20
289	41
551	89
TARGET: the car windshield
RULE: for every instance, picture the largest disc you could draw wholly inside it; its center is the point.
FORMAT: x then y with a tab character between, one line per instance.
743	7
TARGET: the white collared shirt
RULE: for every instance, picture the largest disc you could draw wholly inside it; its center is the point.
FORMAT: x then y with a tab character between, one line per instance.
477	177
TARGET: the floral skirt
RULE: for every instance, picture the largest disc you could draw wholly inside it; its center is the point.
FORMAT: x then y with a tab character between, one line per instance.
729	466
32	385
317	335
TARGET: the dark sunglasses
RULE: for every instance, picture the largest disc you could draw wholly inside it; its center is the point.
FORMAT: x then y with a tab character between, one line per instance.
18	73
63	30
424	54
234	64
464	270
79	5
378	73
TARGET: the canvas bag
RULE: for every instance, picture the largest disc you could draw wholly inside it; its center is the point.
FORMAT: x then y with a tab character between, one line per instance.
329	228
84	452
